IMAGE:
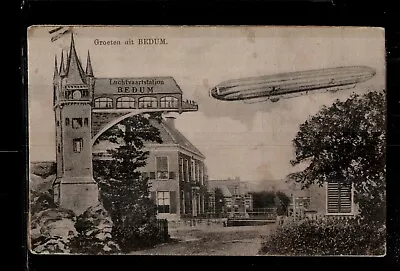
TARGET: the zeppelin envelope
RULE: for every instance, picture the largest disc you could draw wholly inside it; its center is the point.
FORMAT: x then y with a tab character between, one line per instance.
225	140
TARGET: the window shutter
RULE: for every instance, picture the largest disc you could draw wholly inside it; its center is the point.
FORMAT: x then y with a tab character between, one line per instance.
345	198
339	198
173	202
333	197
172	174
153	196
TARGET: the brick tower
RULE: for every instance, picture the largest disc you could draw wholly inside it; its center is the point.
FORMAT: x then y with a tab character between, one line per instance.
74	187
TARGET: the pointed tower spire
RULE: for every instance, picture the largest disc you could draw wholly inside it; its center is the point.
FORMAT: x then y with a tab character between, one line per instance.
75	73
55	67
62	67
89	70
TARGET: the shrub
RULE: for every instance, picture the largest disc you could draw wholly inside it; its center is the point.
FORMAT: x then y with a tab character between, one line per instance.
327	237
94	229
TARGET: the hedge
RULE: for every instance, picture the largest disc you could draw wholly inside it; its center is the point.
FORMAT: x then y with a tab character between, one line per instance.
326	237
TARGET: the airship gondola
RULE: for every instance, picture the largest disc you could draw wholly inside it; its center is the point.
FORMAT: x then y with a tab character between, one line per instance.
292	84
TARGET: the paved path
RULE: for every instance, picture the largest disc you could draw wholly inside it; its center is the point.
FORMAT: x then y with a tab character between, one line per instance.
238	241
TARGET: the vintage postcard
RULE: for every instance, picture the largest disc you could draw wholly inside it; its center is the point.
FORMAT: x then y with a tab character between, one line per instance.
207	140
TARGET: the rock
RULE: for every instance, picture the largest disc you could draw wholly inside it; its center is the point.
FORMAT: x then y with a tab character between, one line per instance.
52	245
57	230
52	230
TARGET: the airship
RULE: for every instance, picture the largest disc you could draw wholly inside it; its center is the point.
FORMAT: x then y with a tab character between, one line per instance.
291	84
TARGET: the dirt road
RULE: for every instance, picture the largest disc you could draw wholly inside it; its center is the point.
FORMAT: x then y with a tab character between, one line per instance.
238	241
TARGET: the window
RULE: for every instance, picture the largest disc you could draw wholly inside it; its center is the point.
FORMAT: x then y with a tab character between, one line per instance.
86	122
85	93
169	102
181	174
58	123
187	170
147	102
183	202
201	174
59	148
193	170
163	201
152	175
76	123
197	172
125	102
339	197
78	144
103	102
162	167
67	121
68	94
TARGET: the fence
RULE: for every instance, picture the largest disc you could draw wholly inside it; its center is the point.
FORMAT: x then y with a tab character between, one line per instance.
208	215
162	225
263	213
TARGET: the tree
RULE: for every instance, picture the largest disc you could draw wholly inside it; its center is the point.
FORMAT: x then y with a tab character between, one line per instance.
346	143
125	194
219	201
264	199
283	203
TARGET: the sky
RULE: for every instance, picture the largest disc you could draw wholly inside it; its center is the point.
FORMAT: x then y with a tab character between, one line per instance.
250	141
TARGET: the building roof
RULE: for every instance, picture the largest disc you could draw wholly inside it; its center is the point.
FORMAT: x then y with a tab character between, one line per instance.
171	135
224	189
160	85
89	69
74	72
229	184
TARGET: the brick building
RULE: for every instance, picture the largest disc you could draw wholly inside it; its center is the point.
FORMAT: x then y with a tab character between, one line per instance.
176	171
235	192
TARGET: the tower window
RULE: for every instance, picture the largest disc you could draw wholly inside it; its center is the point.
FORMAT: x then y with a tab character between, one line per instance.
78	144
76	123
58	123
67	121
86	122
59	148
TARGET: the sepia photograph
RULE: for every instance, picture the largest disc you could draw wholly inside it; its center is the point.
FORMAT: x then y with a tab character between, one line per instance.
207	140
